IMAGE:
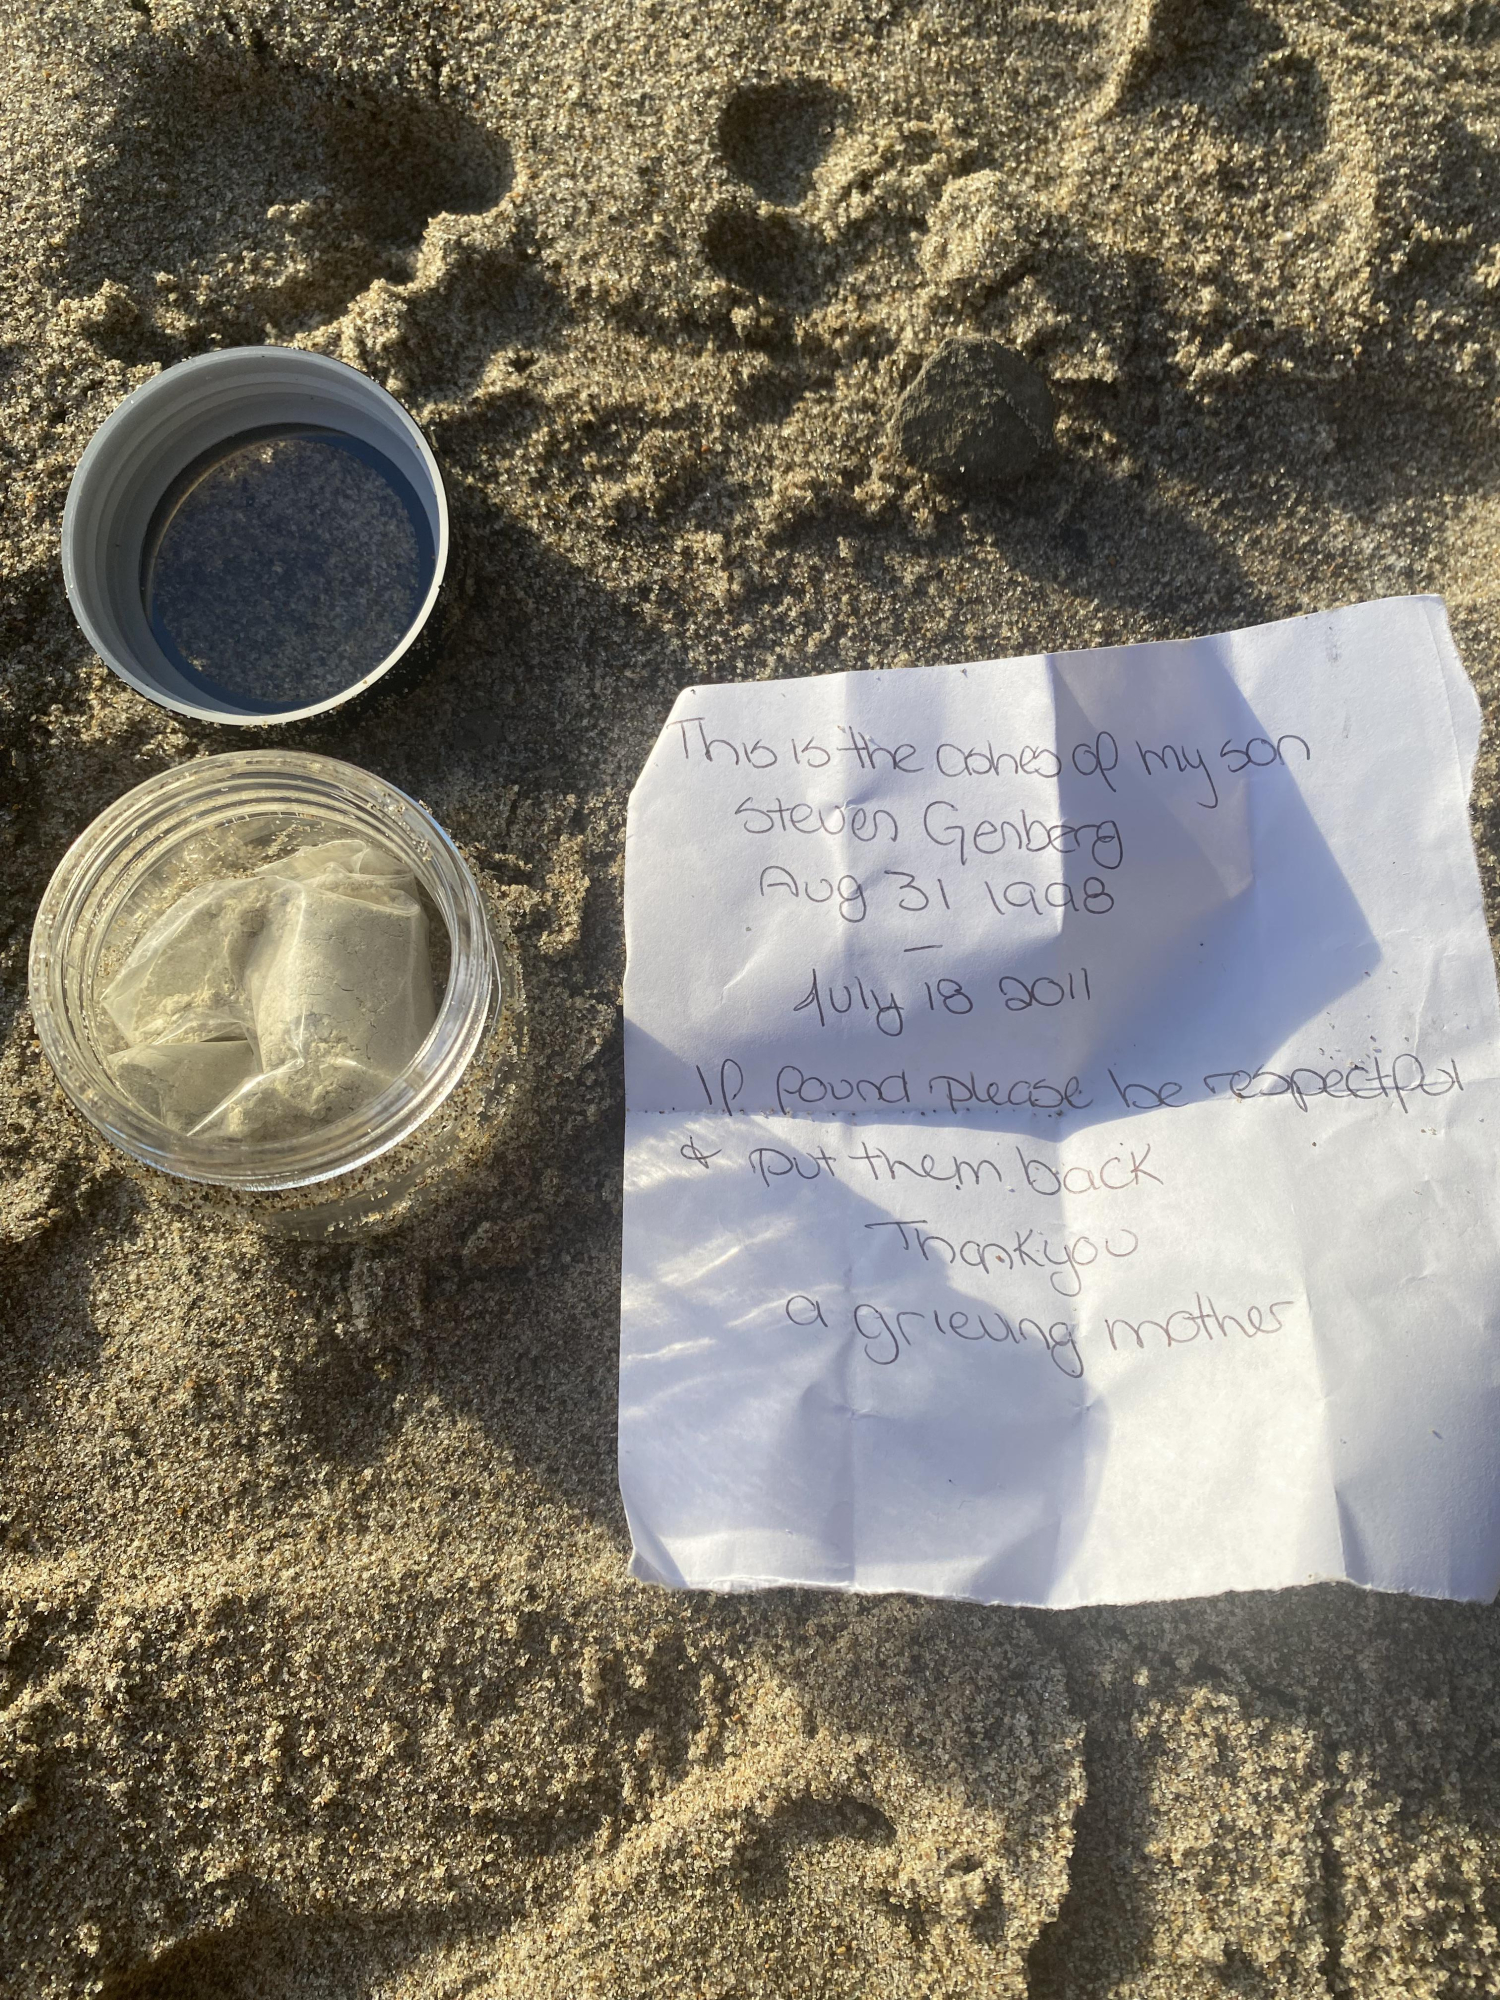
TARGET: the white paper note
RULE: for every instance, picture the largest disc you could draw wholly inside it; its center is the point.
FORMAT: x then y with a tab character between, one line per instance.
1061	1157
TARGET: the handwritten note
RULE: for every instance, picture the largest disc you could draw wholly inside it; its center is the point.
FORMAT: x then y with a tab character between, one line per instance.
1063	1126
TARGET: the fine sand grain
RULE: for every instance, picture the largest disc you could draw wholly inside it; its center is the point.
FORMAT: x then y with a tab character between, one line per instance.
318	1671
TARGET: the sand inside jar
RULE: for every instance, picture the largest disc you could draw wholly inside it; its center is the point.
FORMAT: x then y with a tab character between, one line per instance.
265	1006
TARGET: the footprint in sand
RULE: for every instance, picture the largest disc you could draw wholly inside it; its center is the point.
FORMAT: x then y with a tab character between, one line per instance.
772	136
307	191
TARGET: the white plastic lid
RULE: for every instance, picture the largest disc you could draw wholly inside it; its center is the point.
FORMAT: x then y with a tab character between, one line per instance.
151	440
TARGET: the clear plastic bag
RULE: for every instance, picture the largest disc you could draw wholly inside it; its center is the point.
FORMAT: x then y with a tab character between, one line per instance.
275	1002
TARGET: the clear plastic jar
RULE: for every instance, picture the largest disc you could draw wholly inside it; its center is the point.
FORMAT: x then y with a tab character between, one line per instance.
221	818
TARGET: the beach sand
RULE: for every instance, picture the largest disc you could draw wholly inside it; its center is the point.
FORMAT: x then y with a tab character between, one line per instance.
319	1672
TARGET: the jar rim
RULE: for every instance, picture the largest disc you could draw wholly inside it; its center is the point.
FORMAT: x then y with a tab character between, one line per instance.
114	853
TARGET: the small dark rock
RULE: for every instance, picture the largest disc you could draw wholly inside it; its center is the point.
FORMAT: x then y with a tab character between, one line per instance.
978	416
